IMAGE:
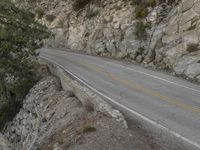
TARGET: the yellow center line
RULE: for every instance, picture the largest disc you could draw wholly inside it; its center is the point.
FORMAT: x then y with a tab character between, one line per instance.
136	86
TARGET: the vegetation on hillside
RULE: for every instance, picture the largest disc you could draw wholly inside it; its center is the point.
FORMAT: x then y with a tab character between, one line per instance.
79	4
20	36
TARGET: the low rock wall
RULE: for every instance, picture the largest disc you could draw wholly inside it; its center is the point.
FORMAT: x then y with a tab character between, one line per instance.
87	97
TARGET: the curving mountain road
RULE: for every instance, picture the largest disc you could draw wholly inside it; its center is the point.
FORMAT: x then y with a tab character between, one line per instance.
163	100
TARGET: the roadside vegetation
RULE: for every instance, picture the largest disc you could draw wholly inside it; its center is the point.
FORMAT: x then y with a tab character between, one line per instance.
20	36
79	4
192	47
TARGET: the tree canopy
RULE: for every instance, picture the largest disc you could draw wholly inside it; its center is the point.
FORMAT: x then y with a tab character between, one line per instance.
20	36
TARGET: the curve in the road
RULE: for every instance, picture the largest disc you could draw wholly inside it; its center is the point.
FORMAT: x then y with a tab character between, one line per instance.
76	65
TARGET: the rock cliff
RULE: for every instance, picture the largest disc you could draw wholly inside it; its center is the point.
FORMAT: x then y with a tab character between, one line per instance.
4	144
166	38
54	119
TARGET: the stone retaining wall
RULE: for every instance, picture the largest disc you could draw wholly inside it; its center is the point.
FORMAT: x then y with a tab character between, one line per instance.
87	97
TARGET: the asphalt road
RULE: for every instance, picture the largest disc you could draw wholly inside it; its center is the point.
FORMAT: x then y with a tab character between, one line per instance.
160	99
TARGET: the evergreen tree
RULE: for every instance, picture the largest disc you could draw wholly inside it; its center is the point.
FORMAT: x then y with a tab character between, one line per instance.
20	36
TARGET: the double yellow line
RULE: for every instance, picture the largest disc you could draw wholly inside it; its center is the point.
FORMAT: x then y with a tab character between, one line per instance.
138	87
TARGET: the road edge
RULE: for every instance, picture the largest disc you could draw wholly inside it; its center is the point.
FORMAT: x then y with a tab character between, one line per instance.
138	115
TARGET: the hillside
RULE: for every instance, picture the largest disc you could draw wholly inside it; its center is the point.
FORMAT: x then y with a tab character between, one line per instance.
75	101
159	34
54	119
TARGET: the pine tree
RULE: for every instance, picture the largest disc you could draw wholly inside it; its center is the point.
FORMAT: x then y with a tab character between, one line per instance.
20	36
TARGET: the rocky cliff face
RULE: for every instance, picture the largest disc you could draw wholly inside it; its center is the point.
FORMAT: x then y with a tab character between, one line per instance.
168	35
4	144
53	119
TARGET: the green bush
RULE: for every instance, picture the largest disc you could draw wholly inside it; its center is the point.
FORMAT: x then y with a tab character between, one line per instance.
39	12
136	2
50	18
141	11
61	23
89	128
20	36
152	3
147	3
140	31
79	4
141	49
8	111
91	13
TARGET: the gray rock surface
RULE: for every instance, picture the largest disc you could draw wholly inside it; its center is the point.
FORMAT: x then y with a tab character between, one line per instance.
24	130
4	144
111	32
189	65
53	119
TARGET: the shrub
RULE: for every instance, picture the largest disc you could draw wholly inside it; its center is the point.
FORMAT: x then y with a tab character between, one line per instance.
148	25
192	47
8	111
50	18
61	23
136	2
141	49
20	36
152	3
141	11
140	31
89	128
91	13
39	12
79	4
147	3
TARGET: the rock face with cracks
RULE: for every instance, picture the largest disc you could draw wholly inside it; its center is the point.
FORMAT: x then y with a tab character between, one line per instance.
109	27
53	119
4	144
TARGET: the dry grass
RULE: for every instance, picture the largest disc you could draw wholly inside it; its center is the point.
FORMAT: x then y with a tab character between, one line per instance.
89	128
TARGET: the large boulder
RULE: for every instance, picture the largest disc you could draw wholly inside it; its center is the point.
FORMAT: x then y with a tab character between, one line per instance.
189	66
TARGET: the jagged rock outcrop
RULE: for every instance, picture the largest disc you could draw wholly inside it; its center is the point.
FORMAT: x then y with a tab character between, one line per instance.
53	119
4	144
108	28
180	41
26	127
